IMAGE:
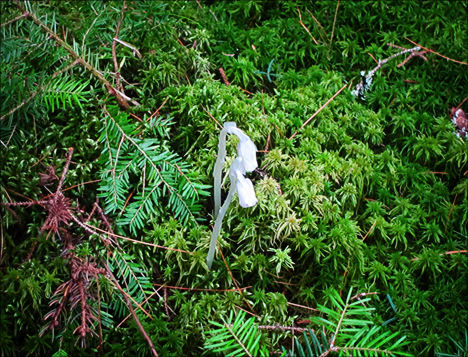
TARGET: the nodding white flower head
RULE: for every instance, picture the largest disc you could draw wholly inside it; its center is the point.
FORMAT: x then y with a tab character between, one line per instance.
245	191
246	149
244	186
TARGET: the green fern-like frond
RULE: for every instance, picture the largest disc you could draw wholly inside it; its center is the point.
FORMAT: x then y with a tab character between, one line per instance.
351	332
134	280
236	337
142	175
63	91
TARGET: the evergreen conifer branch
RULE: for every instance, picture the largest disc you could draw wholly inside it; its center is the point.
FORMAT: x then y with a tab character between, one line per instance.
98	75
161	174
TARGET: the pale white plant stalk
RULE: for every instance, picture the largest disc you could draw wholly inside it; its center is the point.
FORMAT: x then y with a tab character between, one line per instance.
246	161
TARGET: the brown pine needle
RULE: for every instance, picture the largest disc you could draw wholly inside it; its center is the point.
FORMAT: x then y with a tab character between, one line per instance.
195	289
446	253
371	228
373	58
134	240
302	306
318	23
318	111
334	22
212	117
308	32
464	100
434	52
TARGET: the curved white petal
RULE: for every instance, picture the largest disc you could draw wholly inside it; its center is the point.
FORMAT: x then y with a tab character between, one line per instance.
245	191
247	151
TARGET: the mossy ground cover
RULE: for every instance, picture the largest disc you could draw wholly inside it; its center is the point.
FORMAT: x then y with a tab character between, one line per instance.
370	194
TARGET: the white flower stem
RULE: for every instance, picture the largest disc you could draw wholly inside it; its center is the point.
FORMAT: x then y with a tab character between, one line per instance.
218	171
219	222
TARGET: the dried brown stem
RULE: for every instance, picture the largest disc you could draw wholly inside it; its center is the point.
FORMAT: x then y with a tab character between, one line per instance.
212	117
157	110
302	306
446	253
318	23
313	38
134	240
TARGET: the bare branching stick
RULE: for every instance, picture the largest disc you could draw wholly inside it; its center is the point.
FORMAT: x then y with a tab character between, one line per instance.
98	75
365	84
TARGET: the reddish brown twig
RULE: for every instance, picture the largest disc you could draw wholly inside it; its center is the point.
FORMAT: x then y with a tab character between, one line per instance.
302	24
240	308
373	58
80	184
334	22
226	82
464	100
372	227
318	23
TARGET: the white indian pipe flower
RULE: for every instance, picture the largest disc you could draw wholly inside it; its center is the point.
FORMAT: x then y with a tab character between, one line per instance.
246	161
